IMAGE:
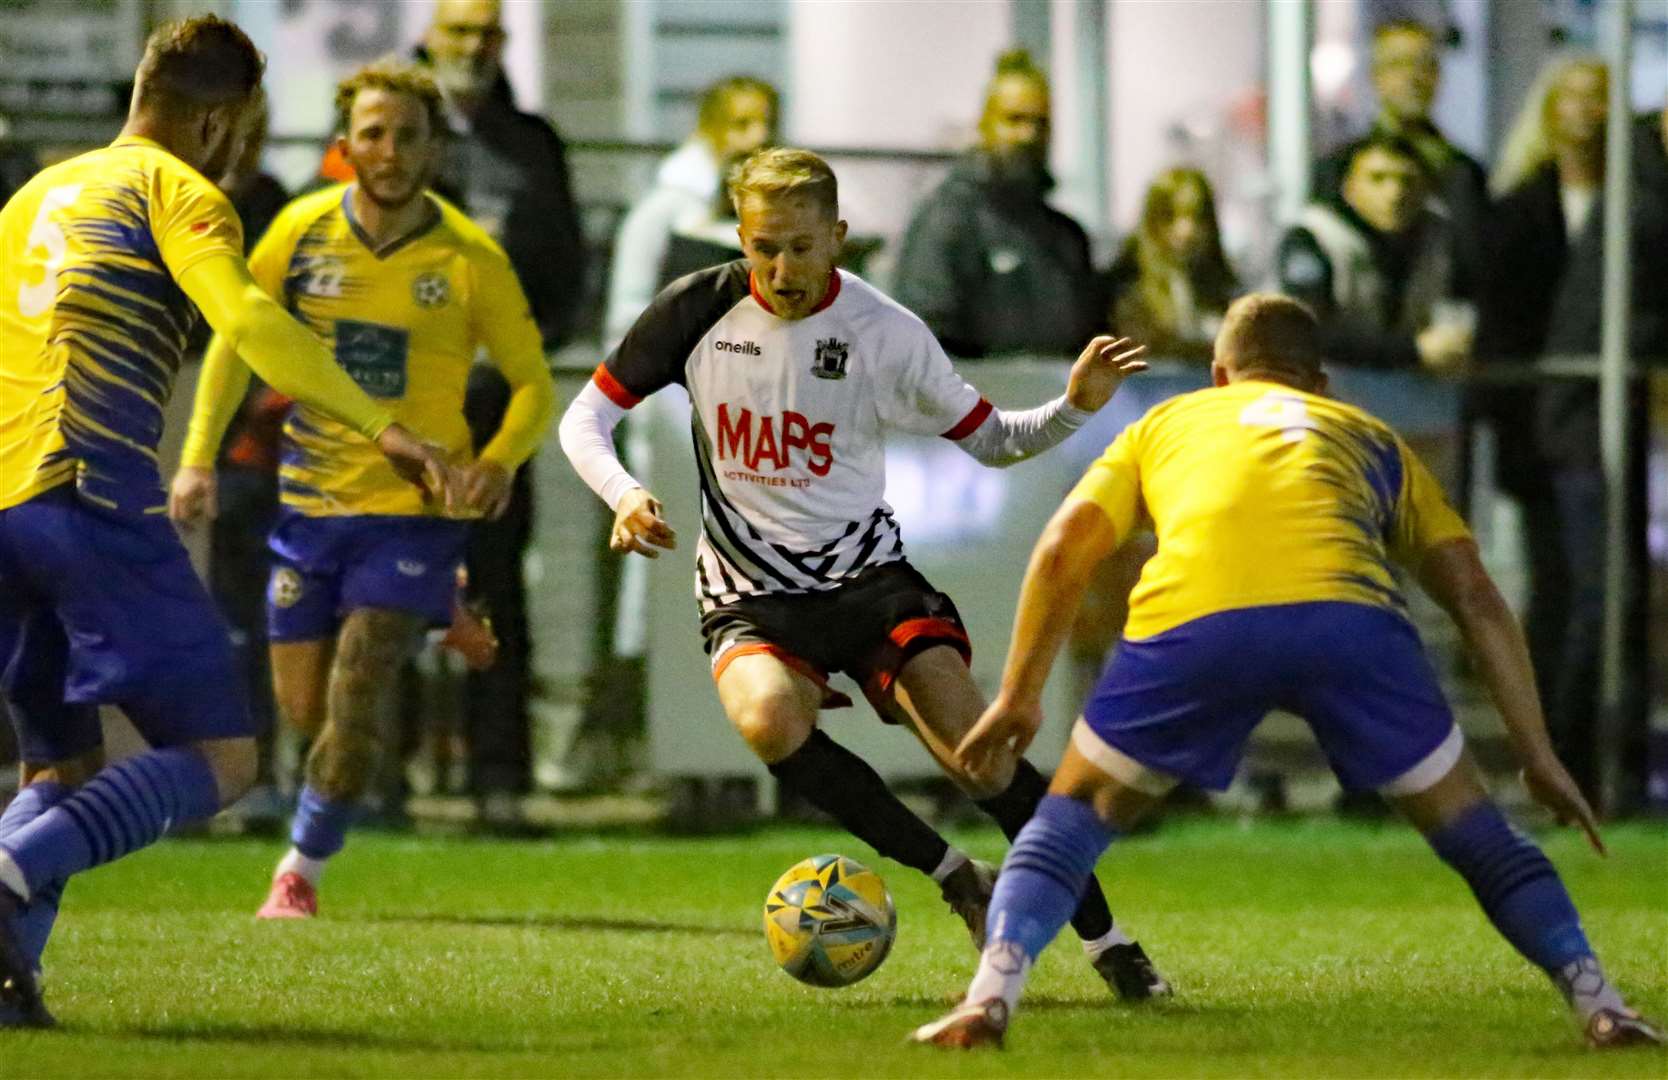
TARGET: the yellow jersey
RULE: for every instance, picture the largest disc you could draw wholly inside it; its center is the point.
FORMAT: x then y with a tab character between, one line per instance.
92	321
1262	494
405	322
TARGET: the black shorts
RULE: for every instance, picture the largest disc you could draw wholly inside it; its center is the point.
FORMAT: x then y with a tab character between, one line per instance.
867	628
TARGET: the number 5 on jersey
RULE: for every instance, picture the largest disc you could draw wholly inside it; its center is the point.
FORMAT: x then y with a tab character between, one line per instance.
35	300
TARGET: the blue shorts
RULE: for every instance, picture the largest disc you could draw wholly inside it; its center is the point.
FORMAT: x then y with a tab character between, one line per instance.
1184	702
328	566
103	608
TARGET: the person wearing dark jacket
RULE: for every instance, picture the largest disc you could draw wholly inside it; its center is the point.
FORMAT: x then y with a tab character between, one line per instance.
986	262
1544	300
1377	266
508	171
1407	73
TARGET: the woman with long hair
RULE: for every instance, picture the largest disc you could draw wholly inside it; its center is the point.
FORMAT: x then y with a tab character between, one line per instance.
1171	282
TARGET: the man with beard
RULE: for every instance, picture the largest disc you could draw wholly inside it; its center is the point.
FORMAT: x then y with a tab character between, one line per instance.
508	171
404	289
989	265
108	257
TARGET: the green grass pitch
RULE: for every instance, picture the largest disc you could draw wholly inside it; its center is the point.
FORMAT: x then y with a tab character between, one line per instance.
1299	948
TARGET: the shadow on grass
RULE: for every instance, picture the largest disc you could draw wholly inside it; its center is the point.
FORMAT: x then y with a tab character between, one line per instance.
308	1038
562	922
1098	1003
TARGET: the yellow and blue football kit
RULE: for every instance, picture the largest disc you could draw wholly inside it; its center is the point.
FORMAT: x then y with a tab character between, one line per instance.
405	322
1281	516
98	601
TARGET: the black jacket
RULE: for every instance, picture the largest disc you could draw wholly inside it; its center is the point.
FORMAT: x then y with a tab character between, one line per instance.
1544	297
1461	187
509	173
992	268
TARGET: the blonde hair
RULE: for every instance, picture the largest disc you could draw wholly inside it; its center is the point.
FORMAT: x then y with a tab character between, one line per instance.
784	173
1270	333
395	77
1013	64
1528	143
713	113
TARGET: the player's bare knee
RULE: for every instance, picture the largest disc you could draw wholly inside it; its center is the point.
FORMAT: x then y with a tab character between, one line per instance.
987	785
234	763
70	772
772	726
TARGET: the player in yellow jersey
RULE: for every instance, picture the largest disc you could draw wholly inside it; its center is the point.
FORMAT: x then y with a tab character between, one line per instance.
403	289
1279	514
105	261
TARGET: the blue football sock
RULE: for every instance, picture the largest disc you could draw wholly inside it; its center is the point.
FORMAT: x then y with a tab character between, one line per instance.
1045	872
1516	885
321	825
34	922
126	806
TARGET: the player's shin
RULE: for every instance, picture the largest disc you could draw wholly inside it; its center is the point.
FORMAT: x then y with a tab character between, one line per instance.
34	923
844	786
1041	880
126	806
1526	901
1011	810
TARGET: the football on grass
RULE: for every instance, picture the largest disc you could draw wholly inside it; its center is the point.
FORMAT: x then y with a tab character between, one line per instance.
829	921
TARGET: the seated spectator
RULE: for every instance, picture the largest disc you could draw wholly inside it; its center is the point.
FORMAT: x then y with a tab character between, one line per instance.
1377	266
989	265
737	116
1544	298
1171	283
1407	73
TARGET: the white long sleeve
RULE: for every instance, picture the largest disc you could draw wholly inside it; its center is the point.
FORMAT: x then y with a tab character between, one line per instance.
1007	438
587	435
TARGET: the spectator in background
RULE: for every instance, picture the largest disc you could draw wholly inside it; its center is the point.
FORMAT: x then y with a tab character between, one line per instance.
737	116
1407	72
1171	283
989	265
1377	266
1544	299
247	486
508	170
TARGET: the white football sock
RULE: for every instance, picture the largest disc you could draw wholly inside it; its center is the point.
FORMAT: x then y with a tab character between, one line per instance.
1112	937
949	864
297	863
11	876
1003	969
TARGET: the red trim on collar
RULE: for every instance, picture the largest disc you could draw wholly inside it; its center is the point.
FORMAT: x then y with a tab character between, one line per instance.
824	304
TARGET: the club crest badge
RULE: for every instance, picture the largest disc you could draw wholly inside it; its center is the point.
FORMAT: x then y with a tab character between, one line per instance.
285	588
431	290
830	362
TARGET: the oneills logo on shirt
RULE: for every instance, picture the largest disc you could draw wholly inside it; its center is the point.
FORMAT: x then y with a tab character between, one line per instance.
830	362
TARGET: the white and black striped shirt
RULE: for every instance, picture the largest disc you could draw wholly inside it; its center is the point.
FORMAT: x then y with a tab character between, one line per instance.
789	417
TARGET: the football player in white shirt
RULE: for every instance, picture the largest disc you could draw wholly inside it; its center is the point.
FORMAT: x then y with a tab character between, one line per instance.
795	370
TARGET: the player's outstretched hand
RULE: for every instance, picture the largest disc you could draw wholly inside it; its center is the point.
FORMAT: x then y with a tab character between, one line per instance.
640	527
193	496
1551	785
1100	369
421	463
1002	734
486	488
